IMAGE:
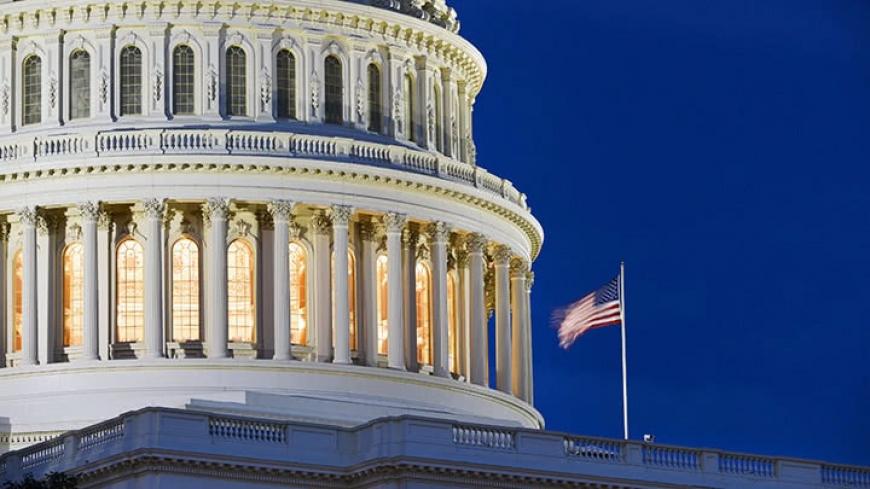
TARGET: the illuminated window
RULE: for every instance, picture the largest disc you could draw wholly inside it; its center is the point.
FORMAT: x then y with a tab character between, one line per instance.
409	107
80	85
375	113
241	308
452	319
285	65
438	114
383	329
32	90
298	294
424	314
334	90
17	299
131	81
185	291
237	81
183	69
73	294
351	299
130	310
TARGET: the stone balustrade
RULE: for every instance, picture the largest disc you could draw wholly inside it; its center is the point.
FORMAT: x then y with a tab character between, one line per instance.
179	438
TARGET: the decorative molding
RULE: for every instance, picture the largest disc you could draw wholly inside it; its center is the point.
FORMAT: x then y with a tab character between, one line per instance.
90	210
367	231
476	243
154	208
519	268
394	222
28	216
281	210
320	222
501	256
439	232
217	208
341	215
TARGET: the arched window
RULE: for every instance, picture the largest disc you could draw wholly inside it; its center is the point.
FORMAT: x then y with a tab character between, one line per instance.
375	113
237	81
241	305
424	314
79	85
130	309
17	299
439	134
183	72
73	294
185	291
285	65
409	107
131	81
298	294
334	90
452	319
32	90
382	295
351	299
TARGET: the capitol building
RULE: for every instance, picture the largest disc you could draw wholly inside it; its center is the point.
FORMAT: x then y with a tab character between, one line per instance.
250	244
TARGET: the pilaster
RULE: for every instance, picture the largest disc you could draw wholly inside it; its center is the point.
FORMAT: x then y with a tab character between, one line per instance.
341	215
520	347
281	212
7	84
410	241
45	287
439	232
105	230
479	362
28	217
394	223
503	355
154	333
90	212
322	320
368	293
217	210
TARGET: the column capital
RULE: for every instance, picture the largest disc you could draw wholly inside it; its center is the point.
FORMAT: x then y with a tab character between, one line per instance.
154	208
501	255
294	230
530	279
28	216
4	232
217	208
367	231
519	268
461	259
395	222
410	237
341	215
46	224
104	220
476	243
280	210
439	232
90	210
320	223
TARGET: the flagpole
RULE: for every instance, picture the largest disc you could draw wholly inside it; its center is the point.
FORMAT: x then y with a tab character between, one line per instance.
624	361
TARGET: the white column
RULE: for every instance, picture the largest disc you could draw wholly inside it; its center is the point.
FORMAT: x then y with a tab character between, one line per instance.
218	210
104	257
154	210
502	257
4	324
281	211
519	341
45	283
462	120
340	220
410	240
394	224
439	232
462	308
322	286
479	354
90	212
28	217
529	378
368	293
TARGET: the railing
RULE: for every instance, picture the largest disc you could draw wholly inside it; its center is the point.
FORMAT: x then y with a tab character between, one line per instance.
483	437
747	465
45	453
594	449
671	457
101	434
845	476
246	430
255	143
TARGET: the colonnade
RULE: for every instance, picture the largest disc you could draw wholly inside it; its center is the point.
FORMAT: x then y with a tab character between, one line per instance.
469	277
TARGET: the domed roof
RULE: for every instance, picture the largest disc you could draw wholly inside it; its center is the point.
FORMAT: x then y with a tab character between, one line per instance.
434	11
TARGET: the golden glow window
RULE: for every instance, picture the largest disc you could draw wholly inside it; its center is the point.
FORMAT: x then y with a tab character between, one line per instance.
73	295
185	291
241	308
383	329
424	314
351	299
298	294
17	299
130	309
452	332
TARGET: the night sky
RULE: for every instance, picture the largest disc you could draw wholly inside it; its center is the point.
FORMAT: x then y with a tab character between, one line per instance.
722	149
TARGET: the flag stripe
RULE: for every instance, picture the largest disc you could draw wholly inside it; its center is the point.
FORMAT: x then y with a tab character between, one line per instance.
598	309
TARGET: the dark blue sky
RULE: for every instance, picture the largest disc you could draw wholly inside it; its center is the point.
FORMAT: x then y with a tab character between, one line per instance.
722	148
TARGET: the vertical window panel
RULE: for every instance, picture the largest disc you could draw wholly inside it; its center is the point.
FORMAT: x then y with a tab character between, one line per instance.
80	85
241	304
185	291
17	299
375	111
382	295
237	81
73	295
409	108
298	294
131	81
285	65
183	72
32	91
334	90
439	131
452	327
424	314
130	286
351	299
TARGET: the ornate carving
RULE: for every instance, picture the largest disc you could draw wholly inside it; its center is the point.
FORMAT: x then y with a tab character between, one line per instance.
212	85
341	215
315	93
89	210
320	223
281	210
104	88
530	280
394	222
217	208
4	99
46	224
501	255
242	228
154	208
461	259
295	230
360	100
104	221
519	268
4	232
367	231
476	243
431	123
28	216
398	111
265	91
157	87
470	148
439	232
73	233
52	91
410	237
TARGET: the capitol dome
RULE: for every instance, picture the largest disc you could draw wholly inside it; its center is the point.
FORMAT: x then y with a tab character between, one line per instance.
258	206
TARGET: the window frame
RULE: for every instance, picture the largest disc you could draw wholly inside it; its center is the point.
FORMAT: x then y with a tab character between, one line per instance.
70	80
226	85
143	80
25	59
170	254
194	83
115	334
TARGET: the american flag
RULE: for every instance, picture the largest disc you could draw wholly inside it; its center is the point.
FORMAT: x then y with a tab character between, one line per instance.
596	310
